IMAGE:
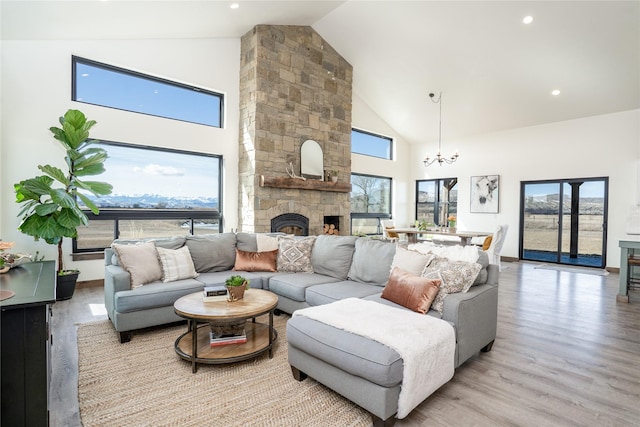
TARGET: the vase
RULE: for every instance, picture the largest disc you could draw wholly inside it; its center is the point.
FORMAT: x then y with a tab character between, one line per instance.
236	293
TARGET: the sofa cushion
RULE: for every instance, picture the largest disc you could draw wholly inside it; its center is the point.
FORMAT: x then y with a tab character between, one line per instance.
293	286
372	261
411	291
156	294
213	278
256	261
141	262
294	255
212	252
352	353
176	264
246	242
330	292
412	262
332	255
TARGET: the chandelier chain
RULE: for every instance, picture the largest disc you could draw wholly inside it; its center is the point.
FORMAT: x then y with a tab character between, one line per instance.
439	157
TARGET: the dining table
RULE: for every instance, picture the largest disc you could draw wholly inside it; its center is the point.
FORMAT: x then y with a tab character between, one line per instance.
465	236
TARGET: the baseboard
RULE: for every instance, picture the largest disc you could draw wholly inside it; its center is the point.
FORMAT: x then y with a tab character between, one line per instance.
509	259
97	283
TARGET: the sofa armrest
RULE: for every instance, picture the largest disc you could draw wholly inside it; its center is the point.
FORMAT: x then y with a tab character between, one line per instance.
475	314
493	274
116	279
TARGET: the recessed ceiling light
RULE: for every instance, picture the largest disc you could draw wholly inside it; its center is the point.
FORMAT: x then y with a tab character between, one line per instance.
555	92
527	19
234	5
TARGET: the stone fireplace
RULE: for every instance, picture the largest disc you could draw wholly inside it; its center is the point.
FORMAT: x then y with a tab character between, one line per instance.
293	87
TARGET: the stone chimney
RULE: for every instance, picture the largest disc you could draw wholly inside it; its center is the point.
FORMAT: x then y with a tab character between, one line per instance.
293	87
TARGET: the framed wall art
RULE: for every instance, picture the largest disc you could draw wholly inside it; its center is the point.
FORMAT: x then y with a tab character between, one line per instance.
485	193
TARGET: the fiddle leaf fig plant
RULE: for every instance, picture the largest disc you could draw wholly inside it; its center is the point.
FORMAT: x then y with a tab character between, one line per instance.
51	209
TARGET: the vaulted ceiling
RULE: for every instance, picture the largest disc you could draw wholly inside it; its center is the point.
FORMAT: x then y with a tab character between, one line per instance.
495	72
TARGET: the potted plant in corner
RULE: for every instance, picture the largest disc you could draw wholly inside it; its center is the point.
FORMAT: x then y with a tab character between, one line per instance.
51	202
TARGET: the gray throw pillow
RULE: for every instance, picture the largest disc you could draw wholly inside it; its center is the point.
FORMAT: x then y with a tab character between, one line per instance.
212	252
372	261
332	255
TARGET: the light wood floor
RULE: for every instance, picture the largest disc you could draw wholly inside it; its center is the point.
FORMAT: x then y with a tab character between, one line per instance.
566	355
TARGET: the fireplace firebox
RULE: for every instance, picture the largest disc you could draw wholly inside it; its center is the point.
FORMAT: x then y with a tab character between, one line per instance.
291	223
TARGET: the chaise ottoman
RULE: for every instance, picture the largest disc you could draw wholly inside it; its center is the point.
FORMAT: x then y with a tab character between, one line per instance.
369	353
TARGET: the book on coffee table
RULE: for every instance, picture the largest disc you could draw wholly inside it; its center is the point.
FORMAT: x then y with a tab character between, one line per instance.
227	339
214	293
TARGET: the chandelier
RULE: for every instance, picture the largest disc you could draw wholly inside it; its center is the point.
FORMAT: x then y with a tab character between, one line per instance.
439	157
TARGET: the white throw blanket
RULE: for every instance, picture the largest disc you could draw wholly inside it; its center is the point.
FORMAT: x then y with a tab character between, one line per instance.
426	344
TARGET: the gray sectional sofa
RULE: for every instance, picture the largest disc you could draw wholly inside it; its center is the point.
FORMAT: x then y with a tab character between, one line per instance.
343	267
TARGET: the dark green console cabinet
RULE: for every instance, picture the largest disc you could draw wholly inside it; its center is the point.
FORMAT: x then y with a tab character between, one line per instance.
26	344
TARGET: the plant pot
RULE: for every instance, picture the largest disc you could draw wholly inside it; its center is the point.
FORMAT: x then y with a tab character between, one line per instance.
236	293
334	179
66	285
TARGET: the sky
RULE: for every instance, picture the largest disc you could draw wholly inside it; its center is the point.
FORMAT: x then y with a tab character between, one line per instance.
135	171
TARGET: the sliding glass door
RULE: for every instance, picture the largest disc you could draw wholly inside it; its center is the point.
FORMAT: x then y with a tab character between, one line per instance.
564	221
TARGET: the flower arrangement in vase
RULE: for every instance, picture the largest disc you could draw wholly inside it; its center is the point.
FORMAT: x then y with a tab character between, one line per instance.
452	222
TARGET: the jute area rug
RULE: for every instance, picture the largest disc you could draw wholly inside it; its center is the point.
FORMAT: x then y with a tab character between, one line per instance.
145	383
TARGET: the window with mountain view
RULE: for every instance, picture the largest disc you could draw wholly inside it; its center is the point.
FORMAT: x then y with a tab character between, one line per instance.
156	192
370	203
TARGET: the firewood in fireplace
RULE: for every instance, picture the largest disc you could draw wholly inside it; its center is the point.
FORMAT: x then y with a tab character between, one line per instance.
330	229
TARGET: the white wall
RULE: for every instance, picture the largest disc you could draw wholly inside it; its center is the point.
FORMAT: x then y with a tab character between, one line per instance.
600	146
403	187
36	90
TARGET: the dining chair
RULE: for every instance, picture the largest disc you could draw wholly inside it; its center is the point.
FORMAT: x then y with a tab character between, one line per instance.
497	241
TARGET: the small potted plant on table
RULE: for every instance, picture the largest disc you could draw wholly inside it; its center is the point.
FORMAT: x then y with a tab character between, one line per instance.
236	285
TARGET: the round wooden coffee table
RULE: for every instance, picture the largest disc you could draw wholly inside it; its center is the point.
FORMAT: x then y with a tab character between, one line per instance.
194	345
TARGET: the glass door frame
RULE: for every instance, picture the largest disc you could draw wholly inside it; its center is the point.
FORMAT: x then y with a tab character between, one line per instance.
561	184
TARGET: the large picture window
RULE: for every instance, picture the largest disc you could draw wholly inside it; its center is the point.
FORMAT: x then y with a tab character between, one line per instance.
436	199
156	193
371	144
370	203
108	86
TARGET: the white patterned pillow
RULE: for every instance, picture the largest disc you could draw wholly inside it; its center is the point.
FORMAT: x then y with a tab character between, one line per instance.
294	255
456	276
176	264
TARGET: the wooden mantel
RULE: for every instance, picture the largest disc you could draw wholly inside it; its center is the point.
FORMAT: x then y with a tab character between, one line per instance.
309	184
